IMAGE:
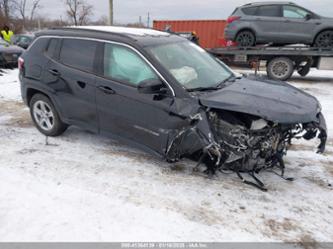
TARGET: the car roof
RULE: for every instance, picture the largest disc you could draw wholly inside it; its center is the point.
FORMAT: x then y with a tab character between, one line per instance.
124	30
268	3
143	36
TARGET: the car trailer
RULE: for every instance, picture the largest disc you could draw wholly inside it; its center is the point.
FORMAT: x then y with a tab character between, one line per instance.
280	62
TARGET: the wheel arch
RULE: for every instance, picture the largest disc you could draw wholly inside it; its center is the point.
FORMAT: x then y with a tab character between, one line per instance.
247	29
321	31
31	91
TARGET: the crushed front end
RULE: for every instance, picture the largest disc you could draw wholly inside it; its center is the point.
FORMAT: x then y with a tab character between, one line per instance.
241	143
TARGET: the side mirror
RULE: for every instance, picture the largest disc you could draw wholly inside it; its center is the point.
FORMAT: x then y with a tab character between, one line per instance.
151	86
308	17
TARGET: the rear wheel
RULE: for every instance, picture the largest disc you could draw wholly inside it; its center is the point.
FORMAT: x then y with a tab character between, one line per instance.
245	39
45	116
324	39
280	68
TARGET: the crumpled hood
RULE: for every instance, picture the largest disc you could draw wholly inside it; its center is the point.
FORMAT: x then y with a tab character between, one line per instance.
272	100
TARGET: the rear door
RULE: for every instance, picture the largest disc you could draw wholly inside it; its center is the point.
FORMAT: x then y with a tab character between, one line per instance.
71	75
267	23
295	26
123	111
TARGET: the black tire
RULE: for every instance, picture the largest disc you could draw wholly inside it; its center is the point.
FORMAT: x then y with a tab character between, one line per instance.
245	38
281	68
324	39
303	71
45	116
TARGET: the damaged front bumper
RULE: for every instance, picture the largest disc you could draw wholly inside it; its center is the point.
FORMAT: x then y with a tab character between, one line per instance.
221	141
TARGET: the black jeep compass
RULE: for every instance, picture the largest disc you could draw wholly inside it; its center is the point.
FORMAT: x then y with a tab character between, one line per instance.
166	95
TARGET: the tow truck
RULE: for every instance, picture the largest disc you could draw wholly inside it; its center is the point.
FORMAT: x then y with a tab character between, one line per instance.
280	62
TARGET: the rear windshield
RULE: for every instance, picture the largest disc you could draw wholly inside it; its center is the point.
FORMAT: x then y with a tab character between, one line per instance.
234	11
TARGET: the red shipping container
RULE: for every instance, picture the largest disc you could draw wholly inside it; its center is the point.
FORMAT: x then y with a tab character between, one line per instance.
210	32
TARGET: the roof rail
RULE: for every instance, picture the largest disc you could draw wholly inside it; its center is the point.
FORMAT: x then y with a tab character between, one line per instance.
277	2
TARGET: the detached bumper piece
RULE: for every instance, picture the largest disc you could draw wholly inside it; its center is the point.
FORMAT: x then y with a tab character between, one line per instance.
226	141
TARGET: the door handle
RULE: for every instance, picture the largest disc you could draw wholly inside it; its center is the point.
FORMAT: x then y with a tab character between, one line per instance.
106	89
54	72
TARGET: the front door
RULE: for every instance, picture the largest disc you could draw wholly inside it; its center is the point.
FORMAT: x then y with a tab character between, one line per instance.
296	27
122	110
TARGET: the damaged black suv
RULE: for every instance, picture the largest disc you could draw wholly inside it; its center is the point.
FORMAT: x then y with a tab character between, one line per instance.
166	95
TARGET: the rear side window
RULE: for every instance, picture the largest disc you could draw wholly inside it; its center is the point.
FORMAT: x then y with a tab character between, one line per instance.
270	11
251	11
51	49
79	54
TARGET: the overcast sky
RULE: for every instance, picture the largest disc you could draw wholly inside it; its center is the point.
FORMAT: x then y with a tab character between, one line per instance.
126	11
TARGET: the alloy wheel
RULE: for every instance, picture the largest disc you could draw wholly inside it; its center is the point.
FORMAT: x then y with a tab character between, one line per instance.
43	115
325	40
245	39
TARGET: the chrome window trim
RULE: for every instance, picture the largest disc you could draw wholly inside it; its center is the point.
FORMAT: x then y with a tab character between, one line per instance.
116	43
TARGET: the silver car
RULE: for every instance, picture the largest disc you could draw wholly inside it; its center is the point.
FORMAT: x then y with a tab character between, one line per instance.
278	23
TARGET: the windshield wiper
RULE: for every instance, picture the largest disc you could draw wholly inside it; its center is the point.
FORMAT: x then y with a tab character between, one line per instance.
219	86
231	78
202	89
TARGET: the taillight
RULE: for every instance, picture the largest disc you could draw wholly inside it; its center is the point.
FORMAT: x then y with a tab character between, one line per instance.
20	63
233	18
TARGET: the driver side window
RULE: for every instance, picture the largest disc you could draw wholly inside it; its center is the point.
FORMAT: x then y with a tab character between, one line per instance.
294	12
124	65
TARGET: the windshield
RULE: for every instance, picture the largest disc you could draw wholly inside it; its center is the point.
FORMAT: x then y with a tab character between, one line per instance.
191	65
24	39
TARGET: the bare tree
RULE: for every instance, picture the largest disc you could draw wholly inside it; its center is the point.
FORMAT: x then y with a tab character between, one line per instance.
34	7
24	6
78	11
7	8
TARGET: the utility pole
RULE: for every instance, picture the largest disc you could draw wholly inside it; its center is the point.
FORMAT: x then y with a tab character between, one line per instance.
110	12
148	20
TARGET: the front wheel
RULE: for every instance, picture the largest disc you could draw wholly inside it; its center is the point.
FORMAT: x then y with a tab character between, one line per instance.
280	68
324	39
45	116
245	39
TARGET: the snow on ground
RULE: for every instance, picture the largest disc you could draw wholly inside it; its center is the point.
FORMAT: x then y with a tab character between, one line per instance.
84	187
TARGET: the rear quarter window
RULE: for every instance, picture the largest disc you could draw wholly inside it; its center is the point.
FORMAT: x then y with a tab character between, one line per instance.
79	54
250	11
52	47
39	45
